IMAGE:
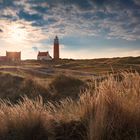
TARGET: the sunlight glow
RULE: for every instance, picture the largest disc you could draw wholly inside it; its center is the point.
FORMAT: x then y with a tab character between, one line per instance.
17	33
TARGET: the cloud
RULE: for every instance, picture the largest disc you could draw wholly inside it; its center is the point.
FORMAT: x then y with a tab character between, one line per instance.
35	49
78	17
29	33
137	2
82	21
40	20
29	17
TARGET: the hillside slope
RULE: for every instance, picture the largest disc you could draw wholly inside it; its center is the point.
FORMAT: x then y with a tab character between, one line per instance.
14	87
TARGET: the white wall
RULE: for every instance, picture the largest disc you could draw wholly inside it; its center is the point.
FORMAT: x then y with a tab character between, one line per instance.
44	58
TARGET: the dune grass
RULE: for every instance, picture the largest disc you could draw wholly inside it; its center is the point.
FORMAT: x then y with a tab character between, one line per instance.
106	110
13	87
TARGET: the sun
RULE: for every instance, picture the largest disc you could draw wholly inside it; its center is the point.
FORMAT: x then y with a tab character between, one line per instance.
17	33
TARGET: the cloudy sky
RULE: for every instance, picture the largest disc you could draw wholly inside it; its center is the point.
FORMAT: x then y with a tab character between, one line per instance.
86	28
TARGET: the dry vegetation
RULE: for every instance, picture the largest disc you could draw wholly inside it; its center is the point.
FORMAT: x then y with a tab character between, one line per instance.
13	87
102	65
106	110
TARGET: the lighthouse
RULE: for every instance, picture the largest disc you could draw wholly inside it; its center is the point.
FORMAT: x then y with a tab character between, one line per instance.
56	48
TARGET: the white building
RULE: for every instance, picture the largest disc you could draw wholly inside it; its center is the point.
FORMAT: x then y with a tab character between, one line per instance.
44	56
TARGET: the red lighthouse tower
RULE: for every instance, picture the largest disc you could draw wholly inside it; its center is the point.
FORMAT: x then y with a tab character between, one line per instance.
56	48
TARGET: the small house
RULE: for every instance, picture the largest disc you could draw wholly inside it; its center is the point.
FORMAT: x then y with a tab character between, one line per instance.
13	56
44	56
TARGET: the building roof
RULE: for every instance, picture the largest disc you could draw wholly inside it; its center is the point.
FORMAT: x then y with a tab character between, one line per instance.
43	54
12	52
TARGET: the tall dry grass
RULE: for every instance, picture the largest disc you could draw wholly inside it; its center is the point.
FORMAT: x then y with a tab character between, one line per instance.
108	110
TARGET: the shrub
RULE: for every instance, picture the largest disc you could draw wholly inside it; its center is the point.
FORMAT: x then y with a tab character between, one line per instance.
66	86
